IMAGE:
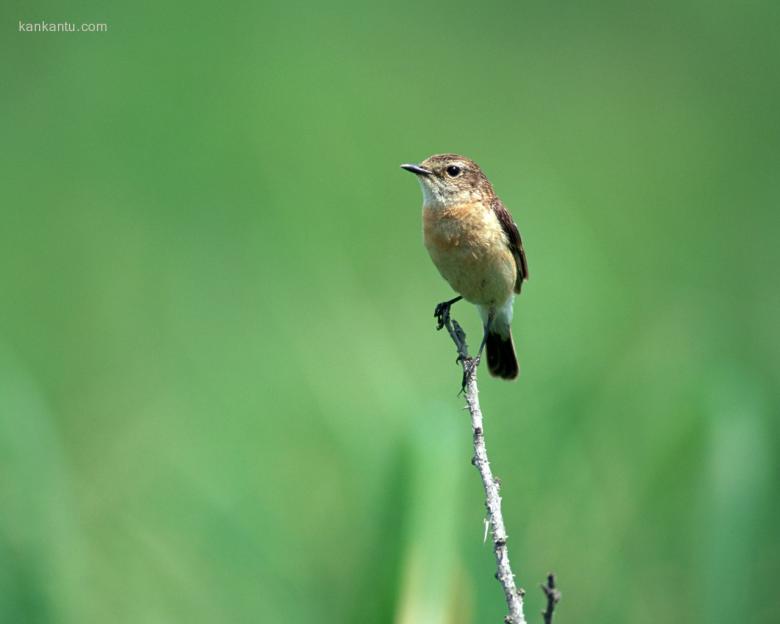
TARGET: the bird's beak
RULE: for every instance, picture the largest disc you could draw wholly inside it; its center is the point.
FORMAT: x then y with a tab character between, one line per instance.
417	169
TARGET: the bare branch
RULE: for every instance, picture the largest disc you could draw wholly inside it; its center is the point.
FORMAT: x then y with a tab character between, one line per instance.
553	598
514	597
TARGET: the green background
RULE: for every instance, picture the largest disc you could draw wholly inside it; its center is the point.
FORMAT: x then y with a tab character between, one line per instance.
222	398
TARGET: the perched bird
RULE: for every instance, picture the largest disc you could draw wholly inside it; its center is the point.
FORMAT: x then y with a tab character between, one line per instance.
476	246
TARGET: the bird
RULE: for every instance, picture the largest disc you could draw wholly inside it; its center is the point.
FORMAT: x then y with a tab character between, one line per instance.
476	246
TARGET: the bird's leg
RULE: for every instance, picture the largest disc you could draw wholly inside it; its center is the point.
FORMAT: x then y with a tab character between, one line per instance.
442	311
474	362
485	334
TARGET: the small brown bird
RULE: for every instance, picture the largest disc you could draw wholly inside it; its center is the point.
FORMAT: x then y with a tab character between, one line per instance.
476	246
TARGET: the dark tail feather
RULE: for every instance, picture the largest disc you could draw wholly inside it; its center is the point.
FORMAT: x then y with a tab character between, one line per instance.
501	358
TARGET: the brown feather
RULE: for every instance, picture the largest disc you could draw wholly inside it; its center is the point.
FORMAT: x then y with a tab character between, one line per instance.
514	240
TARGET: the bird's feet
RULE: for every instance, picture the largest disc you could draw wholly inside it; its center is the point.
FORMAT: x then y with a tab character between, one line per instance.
442	312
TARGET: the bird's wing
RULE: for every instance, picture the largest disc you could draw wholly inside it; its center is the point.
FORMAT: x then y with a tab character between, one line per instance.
515	242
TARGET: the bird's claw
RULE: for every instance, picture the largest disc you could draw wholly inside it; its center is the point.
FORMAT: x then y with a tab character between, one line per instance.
442	314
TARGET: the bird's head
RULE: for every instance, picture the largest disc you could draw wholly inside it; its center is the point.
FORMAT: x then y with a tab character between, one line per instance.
449	179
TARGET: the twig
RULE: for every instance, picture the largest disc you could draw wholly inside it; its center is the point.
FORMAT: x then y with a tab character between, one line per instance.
514	597
553	598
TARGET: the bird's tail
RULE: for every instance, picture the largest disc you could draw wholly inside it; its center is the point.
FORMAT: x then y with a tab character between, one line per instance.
501	358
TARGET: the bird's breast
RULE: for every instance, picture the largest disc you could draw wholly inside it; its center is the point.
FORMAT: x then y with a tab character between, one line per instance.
468	246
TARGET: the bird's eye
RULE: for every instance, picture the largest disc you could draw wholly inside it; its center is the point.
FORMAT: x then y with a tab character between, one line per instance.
453	171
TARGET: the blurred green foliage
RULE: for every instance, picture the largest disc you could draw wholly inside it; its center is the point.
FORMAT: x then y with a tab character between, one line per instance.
222	398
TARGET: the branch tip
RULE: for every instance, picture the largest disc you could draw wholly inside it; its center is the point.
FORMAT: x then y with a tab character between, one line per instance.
553	598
